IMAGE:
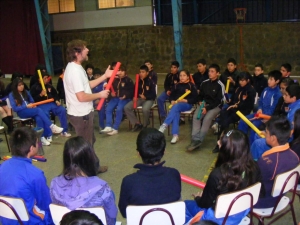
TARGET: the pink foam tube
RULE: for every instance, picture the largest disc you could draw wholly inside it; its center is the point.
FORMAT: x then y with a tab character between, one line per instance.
109	84
192	181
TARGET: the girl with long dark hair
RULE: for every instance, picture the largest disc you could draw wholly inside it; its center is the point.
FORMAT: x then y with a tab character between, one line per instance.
78	186
21	102
234	170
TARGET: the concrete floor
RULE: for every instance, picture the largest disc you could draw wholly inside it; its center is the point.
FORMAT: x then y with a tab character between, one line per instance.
118	152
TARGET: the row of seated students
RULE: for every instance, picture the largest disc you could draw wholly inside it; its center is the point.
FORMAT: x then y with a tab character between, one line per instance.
153	183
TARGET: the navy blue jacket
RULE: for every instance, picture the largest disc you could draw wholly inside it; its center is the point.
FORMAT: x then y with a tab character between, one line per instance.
199	78
147	88
150	185
259	83
170	80
180	88
123	86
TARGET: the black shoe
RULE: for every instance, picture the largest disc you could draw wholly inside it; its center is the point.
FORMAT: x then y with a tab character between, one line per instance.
193	145
1	139
181	122
216	149
137	127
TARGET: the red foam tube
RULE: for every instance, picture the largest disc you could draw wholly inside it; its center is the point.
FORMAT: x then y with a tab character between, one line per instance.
262	116
192	181
136	89
109	84
192	79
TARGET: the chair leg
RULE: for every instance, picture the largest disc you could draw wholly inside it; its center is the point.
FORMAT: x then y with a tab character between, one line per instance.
293	214
8	146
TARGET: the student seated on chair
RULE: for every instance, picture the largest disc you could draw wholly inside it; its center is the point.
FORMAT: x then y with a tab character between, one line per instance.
234	170
98	88
55	107
171	79
279	159
20	179
145	98
211	93
242	100
291	97
21	103
153	183
266	105
78	185
201	74
5	112
123	92
80	217
179	106
152	73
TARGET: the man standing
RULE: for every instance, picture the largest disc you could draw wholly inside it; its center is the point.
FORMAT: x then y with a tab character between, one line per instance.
79	96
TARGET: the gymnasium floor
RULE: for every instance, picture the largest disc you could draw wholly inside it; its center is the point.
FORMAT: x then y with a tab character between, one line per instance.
118	152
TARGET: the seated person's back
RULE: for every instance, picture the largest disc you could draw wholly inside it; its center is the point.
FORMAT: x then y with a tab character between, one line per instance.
279	159
20	179
152	183
78	186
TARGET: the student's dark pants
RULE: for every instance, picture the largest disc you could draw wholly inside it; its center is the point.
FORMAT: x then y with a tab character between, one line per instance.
84	126
226	118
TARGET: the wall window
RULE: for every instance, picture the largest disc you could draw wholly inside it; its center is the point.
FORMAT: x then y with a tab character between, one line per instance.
60	6
104	4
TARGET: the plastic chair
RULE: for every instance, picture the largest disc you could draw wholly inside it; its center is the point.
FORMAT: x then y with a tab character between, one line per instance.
3	131
283	183
236	202
58	211
16	119
13	208
164	214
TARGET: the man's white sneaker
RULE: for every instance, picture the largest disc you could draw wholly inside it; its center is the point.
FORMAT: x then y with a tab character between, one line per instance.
215	127
49	139
106	130
174	139
162	128
55	129
44	141
65	134
113	132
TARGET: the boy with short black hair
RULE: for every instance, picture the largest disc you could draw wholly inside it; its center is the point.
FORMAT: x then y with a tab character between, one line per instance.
20	179
212	94
279	159
285	70
266	105
171	79
202	73
152	74
232	74
145	98
89	68
153	183
259	80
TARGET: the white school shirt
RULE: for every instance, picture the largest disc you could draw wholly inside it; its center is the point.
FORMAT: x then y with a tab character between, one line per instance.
75	80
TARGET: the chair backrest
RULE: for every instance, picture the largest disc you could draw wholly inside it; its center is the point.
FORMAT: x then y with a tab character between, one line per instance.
286	181
13	208
156	214
238	201
58	211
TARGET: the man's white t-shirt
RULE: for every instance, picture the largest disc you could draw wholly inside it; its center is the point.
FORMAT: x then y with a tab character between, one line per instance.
75	80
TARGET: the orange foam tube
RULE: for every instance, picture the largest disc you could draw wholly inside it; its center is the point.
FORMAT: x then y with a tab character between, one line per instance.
43	102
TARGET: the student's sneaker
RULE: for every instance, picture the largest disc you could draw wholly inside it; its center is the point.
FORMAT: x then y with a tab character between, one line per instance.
55	129
162	128
193	145
215	128
44	141
113	132
137	127
49	139
65	134
106	130
174	139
